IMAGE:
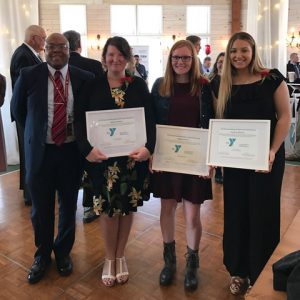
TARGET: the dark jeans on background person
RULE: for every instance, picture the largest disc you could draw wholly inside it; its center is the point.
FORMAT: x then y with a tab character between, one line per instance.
60	171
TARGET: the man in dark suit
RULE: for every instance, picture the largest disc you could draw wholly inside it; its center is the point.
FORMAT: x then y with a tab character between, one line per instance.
140	68
42	103
3	163
293	66
79	61
24	56
95	67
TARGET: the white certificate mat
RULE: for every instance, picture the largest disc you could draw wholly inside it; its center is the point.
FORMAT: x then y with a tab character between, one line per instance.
241	144
116	132
180	150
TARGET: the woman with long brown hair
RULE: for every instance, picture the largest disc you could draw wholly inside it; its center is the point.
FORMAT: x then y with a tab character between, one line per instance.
252	198
179	97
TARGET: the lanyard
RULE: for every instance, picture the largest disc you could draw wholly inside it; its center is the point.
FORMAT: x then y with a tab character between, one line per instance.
64	96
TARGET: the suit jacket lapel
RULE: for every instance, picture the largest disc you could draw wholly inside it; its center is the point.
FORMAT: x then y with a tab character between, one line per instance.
33	56
74	81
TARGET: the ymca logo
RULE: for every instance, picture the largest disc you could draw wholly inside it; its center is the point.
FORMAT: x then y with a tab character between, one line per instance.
231	141
177	148
111	131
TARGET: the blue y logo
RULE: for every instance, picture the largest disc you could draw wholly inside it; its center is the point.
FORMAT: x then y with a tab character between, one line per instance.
111	131
177	148
231	141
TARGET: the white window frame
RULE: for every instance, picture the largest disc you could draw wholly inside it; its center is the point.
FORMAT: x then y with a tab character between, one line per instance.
78	23
128	12
192	13
135	14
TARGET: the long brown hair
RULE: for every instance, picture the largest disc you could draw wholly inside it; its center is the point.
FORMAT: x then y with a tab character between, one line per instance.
228	71
167	84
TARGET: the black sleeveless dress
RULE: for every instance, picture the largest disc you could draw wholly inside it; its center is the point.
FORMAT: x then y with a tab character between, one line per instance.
252	199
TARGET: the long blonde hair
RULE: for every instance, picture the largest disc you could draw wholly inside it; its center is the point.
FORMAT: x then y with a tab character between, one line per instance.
228	71
166	88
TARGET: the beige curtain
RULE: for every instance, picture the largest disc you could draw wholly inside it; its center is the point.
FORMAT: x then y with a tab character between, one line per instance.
15	16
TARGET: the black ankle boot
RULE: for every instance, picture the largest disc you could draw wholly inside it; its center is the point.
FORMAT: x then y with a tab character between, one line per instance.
167	273
192	264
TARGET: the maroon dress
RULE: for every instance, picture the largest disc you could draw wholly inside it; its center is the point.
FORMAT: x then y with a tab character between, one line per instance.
184	111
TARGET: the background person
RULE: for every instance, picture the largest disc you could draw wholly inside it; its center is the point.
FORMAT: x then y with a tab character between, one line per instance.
120	183
95	67
24	56
196	41
251	198
42	103
215	78
176	99
206	66
3	163
140	68
293	66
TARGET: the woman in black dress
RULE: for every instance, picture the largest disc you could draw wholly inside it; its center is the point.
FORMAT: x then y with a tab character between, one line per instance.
182	98
252	198
120	184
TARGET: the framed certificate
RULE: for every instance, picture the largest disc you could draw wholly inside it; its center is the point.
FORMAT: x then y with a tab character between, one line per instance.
116	132
241	144
180	150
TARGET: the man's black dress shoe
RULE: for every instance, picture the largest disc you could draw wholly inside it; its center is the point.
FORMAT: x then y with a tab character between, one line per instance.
37	270
64	266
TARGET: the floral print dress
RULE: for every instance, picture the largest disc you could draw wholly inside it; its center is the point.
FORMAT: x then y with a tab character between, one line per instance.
119	184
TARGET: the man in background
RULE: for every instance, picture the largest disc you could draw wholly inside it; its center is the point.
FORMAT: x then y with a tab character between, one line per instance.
95	67
3	163
140	68
196	41
206	66
24	56
293	66
79	61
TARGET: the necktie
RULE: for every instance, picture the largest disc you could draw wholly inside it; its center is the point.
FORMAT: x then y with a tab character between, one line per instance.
60	112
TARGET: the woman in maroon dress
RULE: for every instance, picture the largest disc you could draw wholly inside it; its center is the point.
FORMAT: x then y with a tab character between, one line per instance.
182	98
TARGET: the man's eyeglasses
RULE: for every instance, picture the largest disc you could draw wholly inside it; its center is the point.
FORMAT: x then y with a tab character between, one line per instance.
53	47
183	58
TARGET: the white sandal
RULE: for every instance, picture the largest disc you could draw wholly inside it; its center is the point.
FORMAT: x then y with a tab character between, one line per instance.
108	273
121	270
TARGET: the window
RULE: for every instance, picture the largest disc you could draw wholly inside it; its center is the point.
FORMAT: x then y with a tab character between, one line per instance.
73	17
141	25
198	23
149	19
136	19
123	19
198	19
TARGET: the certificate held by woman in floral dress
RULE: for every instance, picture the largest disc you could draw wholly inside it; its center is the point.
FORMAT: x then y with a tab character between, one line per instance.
116	132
